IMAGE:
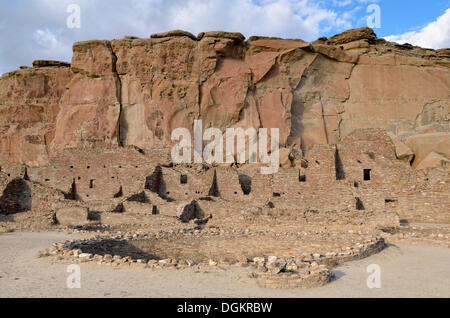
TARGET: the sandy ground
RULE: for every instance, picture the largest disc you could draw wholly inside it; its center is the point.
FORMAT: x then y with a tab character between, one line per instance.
406	271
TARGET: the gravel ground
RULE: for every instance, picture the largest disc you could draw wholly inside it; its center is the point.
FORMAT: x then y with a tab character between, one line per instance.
406	271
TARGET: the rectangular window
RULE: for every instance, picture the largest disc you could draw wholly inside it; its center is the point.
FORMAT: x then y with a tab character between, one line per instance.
367	174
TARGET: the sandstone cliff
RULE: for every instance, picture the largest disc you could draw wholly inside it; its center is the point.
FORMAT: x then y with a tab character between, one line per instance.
134	92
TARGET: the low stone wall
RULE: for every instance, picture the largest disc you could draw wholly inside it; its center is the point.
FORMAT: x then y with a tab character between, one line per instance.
304	271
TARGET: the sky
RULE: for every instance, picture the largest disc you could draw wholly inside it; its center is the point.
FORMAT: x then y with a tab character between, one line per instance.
46	29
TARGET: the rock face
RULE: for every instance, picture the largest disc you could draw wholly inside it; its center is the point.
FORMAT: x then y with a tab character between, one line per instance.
135	92
29	107
90	107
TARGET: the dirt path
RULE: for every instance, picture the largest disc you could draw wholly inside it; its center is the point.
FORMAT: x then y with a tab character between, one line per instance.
406	271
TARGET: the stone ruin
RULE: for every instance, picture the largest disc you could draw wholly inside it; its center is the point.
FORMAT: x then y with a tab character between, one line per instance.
361	172
364	134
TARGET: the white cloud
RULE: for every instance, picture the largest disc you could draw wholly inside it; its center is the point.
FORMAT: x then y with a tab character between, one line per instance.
37	29
345	3
435	35
342	3
45	38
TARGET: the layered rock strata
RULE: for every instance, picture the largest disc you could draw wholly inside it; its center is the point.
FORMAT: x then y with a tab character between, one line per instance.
135	92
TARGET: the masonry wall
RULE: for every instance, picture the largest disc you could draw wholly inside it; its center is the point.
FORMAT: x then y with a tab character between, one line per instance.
427	195
333	178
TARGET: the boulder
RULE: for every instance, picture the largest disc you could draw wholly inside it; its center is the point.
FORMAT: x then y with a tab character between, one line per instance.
353	35
173	33
49	63
72	216
285	157
402	151
433	160
238	37
424	144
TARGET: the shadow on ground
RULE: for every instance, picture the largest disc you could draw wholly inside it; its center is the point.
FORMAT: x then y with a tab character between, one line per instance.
119	248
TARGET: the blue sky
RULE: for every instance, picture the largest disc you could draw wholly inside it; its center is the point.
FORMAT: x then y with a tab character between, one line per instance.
397	16
37	29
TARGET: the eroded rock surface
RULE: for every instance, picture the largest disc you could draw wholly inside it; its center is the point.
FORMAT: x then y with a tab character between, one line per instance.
29	107
135	92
